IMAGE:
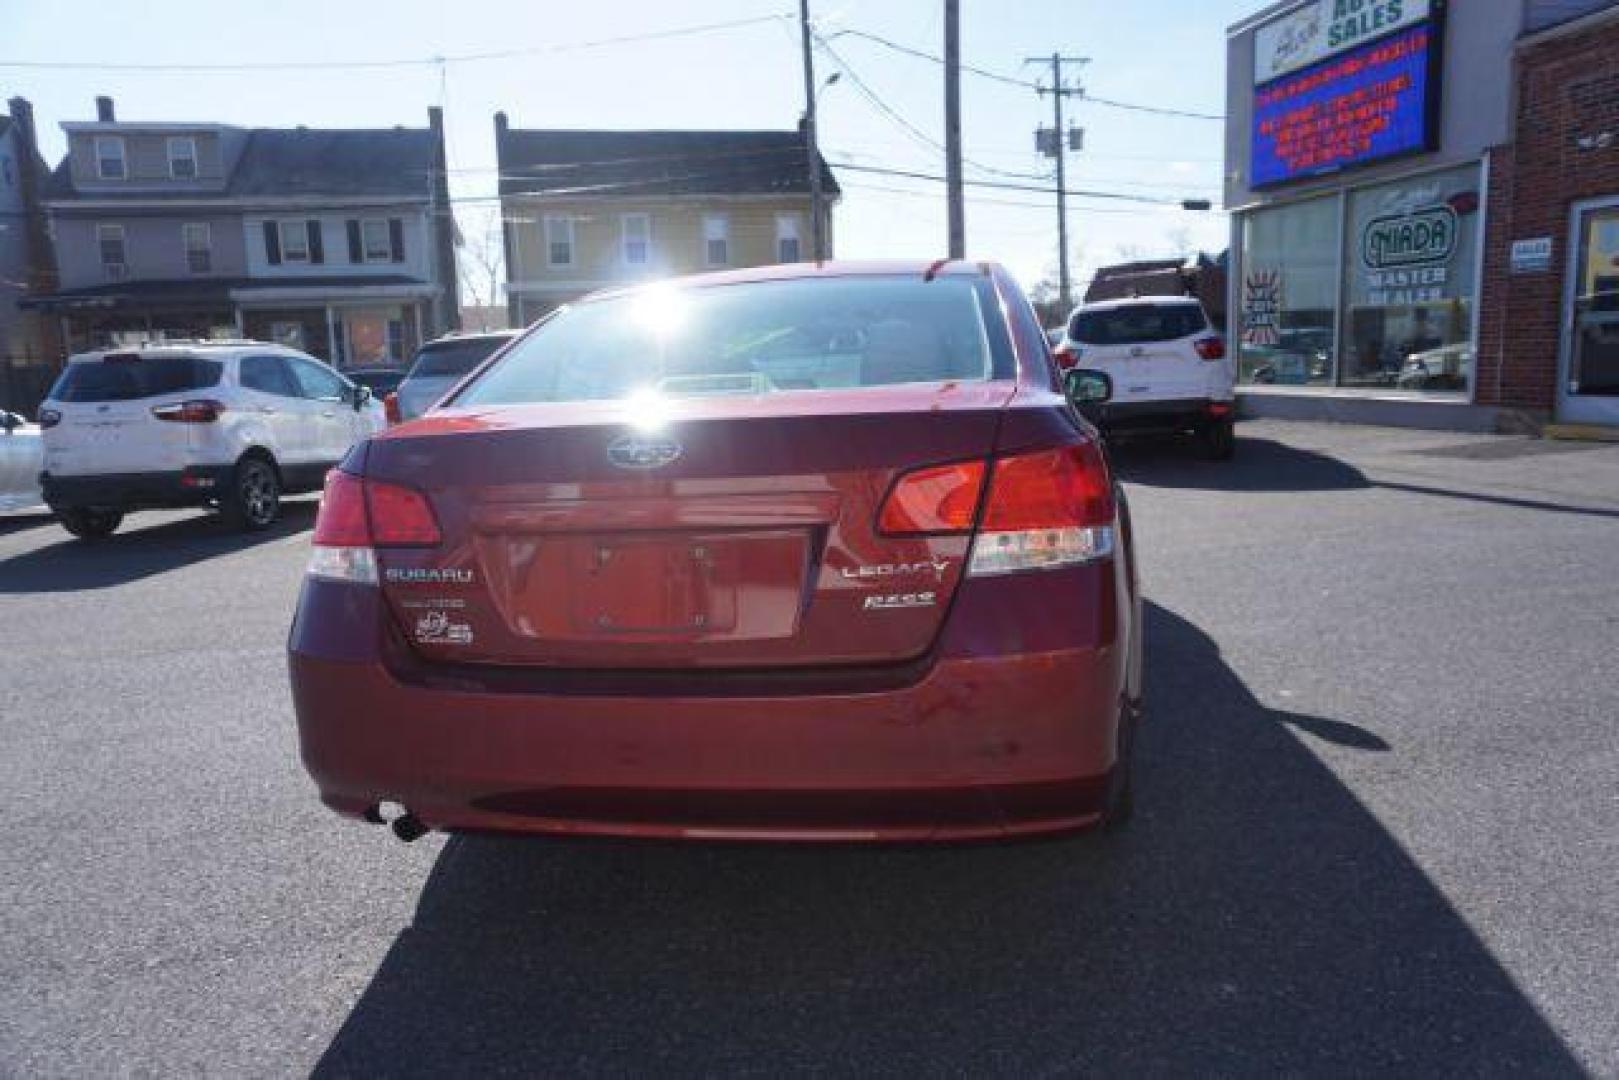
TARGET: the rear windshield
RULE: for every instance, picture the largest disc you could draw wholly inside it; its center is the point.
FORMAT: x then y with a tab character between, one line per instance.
1137	324
126	378
750	338
453	359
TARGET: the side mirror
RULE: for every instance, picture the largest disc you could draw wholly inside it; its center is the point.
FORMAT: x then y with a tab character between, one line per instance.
1086	387
9	422
362	394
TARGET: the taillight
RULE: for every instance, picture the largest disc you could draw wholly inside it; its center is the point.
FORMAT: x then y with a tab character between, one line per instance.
196	411
1046	509
1210	348
1067	355
938	499
390	409
341	519
400	516
49	418
356	516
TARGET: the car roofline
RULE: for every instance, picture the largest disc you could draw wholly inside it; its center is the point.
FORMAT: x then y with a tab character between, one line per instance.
922	269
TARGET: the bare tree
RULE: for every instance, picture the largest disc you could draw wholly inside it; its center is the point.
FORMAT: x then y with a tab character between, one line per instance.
482	258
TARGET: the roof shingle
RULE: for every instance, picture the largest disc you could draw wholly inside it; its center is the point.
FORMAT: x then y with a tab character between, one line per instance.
641	163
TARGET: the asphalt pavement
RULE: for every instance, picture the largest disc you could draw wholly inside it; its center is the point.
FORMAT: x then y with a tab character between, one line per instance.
1377	825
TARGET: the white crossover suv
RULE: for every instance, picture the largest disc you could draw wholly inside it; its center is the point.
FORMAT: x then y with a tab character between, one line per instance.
1169	367
229	424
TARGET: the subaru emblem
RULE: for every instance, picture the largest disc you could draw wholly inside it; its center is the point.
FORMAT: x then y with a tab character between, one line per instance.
642	452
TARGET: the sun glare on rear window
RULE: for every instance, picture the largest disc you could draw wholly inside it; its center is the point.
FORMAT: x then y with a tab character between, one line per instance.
754	338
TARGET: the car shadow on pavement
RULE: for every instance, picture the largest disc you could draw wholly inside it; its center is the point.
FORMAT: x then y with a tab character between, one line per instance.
1254	917
133	553
1259	465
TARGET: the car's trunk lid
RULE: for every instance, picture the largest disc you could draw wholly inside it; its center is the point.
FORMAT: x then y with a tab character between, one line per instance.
739	534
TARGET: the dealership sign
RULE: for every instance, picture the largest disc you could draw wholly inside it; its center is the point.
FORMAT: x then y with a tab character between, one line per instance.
1371	102
1406	256
1325	28
1425	235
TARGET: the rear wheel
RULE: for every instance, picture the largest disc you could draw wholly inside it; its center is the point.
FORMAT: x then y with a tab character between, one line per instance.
89	524
253	499
1218	440
1120	800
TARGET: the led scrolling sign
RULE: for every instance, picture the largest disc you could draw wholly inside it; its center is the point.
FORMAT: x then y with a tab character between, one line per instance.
1344	83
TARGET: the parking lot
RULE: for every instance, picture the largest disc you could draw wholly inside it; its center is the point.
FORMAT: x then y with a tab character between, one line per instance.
1377	827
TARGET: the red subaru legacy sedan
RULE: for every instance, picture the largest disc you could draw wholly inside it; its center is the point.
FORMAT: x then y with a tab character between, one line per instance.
797	553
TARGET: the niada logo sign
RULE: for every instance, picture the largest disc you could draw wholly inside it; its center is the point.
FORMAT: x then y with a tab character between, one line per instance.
1425	235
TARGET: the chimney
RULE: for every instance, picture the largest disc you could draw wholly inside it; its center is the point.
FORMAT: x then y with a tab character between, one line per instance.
500	126
435	119
104	111
41	267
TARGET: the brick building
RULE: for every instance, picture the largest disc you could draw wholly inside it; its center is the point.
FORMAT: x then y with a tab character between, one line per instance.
1549	339
1425	211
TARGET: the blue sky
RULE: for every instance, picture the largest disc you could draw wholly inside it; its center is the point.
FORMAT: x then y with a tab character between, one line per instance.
1161	52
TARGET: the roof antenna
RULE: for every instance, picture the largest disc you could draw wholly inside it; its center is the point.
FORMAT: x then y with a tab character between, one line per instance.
933	271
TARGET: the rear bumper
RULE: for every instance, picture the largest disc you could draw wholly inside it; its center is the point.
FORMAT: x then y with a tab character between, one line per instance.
1172	414
192	486
984	740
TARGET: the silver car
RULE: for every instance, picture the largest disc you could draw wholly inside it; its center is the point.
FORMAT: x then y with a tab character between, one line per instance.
442	363
21	459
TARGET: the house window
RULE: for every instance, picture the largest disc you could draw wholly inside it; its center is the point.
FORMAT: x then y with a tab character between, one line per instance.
199	247
788	249
377	243
717	240
559	241
294	241
183	157
637	231
114	261
110	158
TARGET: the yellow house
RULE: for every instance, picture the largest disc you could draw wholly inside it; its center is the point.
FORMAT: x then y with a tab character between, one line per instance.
585	210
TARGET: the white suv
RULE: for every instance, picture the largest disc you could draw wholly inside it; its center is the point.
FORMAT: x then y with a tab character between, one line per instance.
1169	368
232	424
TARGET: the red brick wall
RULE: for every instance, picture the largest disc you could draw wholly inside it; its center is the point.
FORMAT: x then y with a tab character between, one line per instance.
1567	88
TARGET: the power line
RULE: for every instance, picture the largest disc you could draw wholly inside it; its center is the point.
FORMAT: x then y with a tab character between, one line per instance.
1075	192
984	200
917	133
398	62
1026	84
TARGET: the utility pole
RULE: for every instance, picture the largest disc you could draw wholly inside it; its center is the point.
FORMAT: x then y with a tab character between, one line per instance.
952	128
1052	144
817	224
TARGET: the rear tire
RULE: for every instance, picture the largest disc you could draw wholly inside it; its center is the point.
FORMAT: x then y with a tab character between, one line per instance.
1218	440
252	502
88	524
1120	801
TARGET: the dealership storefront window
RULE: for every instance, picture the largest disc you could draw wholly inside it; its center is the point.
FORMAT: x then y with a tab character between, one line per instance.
1288	289
1371	288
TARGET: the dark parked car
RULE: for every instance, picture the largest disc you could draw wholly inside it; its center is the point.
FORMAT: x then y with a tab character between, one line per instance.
442	363
793	553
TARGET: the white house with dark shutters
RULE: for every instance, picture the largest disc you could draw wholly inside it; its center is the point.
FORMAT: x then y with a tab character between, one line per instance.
337	242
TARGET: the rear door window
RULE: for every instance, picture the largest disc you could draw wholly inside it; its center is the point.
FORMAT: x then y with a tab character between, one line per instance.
1137	324
131	377
268	375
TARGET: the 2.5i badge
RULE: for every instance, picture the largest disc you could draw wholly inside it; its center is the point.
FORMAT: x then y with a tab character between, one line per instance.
891	601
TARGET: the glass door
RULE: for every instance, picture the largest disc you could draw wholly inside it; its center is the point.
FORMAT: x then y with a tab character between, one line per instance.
1589	391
